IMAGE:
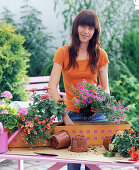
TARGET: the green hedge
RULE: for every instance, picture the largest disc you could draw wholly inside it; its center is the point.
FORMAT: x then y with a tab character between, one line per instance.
13	62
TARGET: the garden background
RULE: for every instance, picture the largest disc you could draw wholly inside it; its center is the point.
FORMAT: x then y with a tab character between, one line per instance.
27	46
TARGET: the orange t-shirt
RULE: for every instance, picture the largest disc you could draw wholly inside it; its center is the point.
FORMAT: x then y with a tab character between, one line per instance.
74	75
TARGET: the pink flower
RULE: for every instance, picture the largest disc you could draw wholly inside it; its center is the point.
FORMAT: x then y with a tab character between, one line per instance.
84	101
120	103
127	109
98	99
89	94
116	121
22	111
7	94
77	100
109	103
80	87
99	86
84	96
93	96
4	112
79	84
111	115
90	101
115	108
85	90
2	102
123	117
103	98
83	80
95	93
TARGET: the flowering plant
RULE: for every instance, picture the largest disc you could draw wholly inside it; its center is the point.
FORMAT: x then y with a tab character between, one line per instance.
88	95
37	120
7	114
125	142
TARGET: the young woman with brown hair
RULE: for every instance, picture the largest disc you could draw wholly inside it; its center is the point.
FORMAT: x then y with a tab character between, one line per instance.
82	59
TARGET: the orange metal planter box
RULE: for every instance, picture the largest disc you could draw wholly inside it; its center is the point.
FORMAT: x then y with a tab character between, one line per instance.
94	131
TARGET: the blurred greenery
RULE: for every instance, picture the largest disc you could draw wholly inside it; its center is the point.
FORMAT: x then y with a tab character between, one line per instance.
13	62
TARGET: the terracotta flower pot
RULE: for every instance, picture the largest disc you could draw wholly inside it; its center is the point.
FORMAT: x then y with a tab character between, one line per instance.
79	144
106	142
61	140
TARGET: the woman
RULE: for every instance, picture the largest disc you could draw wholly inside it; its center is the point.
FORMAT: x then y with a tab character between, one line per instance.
82	59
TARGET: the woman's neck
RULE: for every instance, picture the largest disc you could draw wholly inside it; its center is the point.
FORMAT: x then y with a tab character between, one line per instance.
83	47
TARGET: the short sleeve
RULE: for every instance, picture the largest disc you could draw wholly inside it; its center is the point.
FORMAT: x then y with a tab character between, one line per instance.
103	59
59	57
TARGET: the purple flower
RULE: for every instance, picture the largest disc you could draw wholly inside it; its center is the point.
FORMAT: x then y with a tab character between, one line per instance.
95	93
123	117
115	108
80	87
79	84
90	101
77	100
84	96
84	101
89	94
99	86
116	121
85	90
22	111
120	103
111	115
4	112
7	94
93	96
127	109
2	102
103	98
98	99
83	80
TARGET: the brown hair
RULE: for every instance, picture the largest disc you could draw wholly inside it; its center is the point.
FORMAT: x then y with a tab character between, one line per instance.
89	18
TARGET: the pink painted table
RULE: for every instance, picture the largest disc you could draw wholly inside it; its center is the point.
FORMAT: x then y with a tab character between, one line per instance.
59	163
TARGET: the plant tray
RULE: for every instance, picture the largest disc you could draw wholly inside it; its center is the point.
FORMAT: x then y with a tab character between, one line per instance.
95	132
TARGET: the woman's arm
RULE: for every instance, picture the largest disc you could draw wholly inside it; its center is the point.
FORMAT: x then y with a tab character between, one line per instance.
54	81
103	78
53	85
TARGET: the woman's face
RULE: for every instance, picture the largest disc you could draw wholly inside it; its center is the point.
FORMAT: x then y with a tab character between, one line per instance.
85	33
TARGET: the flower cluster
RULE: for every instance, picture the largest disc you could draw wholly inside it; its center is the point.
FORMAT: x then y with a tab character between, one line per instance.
88	96
7	114
134	154
122	141
37	120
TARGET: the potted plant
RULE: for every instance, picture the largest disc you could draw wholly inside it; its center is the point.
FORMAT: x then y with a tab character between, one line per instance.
123	141
88	95
37	123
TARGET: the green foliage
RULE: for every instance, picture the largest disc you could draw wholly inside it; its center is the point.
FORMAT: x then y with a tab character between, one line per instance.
13	62
123	141
37	41
130	52
38	123
126	89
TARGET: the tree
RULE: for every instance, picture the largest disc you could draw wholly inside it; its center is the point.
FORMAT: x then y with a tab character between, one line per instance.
36	43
